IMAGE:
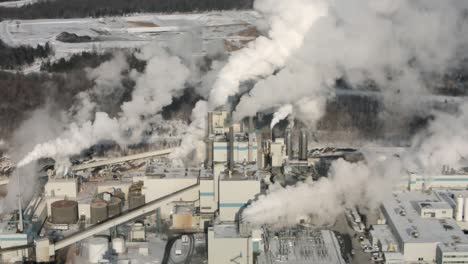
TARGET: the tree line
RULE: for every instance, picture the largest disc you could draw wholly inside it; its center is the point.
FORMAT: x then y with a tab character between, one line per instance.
14	57
98	8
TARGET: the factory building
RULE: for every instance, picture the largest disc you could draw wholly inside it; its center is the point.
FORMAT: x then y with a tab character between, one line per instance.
422	226
228	244
419	182
122	205
236	188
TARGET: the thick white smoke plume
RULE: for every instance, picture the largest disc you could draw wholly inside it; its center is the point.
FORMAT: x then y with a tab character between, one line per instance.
288	22
349	184
107	78
281	114
394	43
164	78
363	40
366	184
444	143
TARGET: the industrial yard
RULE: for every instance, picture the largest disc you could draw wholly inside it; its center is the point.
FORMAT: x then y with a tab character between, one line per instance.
233	132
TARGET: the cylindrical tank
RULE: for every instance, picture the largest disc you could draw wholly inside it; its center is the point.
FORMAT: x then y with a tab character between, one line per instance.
118	244
459	209
114	206
465	208
135	200
98	211
97	247
64	212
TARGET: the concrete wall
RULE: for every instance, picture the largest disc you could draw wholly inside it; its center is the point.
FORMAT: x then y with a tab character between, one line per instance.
417	182
208	202
415	251
11	240
229	250
220	151
451	257
233	195
155	188
61	187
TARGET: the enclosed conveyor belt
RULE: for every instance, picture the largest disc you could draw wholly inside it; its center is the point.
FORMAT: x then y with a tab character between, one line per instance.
16	248
127	216
122	159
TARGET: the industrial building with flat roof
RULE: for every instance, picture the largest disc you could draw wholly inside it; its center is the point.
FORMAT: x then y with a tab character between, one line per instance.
420	222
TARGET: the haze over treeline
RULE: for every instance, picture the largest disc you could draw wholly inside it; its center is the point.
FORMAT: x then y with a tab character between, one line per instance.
99	8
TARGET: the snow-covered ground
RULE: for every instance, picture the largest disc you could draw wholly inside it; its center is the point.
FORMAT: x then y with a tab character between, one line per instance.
223	29
19	3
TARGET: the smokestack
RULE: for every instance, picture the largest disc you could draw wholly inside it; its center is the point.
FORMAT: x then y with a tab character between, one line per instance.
231	148
251	124
210	123
209	153
288	142
303	141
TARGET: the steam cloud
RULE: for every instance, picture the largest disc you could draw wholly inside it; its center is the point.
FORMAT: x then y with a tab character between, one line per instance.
288	23
349	184
308	46
281	114
163	79
363	40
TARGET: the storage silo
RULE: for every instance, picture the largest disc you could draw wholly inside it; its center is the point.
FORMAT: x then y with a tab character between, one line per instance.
97	247
98	211
135	200
114	206
459	208
64	212
118	244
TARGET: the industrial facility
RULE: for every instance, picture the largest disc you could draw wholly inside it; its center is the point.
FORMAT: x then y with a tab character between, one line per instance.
100	215
150	210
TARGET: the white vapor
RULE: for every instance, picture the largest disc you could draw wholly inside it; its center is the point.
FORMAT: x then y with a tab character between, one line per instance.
348	184
163	79
288	23
281	114
394	43
444	143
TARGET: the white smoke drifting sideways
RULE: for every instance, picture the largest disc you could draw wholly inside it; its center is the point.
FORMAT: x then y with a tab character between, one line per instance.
164	78
288	23
281	114
348	184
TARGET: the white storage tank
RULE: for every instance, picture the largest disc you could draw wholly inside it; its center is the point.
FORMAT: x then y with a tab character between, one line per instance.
118	244
459	209
97	248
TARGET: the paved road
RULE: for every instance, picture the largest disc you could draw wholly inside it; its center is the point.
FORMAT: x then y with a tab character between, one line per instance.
342	226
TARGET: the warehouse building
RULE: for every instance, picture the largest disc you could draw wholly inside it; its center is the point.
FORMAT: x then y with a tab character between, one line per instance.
422	225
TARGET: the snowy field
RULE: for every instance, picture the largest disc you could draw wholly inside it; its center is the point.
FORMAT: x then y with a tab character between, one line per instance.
228	29
20	3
